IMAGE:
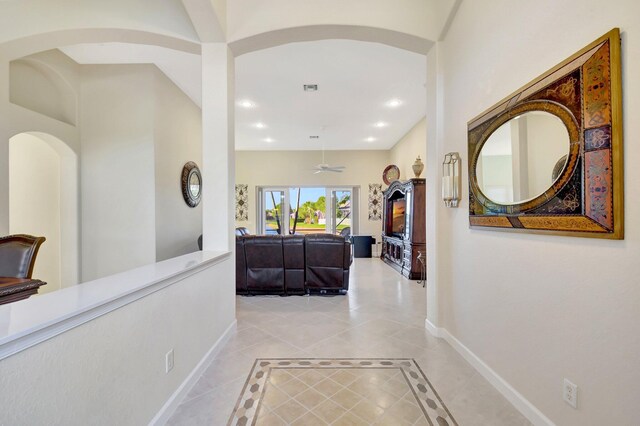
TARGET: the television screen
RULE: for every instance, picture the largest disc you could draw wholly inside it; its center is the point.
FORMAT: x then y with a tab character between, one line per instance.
397	221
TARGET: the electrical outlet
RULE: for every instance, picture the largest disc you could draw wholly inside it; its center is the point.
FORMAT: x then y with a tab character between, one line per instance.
570	393
169	361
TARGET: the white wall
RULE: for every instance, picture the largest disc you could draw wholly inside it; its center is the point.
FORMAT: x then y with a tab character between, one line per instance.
34	201
37	86
292	168
177	139
111	370
138	130
117	169
415	17
403	154
539	308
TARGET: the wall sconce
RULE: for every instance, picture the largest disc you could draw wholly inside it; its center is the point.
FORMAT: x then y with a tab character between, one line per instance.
451	182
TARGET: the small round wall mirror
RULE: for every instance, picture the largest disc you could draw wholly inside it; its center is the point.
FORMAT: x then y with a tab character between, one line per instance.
523	157
191	184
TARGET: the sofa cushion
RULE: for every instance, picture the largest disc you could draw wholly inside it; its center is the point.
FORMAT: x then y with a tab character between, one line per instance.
325	261
293	250
241	267
265	263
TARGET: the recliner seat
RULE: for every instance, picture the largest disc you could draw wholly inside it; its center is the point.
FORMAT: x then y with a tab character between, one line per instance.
293	264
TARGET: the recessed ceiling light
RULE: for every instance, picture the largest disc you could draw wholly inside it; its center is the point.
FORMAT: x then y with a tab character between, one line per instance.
260	125
246	104
394	103
380	124
310	87
268	140
370	139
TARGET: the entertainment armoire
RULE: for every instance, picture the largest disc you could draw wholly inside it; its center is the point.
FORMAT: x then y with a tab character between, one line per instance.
401	247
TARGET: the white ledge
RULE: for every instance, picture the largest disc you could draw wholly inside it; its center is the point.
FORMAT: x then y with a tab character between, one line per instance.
28	322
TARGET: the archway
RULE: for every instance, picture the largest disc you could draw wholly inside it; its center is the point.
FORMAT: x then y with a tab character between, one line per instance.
43	194
317	33
279	37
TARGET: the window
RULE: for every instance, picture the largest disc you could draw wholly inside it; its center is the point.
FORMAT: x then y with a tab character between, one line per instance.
305	210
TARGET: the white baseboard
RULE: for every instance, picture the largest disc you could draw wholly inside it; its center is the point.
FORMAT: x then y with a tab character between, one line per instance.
435	331
174	401
523	405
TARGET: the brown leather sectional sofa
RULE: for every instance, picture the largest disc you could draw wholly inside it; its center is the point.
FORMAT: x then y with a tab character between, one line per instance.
292	264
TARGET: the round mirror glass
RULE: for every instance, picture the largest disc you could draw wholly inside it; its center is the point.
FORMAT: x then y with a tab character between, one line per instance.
194	185
523	157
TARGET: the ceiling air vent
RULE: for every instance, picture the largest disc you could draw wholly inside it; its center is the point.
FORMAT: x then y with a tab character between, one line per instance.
310	87
314	137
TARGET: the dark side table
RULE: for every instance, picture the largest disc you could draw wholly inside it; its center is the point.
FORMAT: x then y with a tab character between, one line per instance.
362	245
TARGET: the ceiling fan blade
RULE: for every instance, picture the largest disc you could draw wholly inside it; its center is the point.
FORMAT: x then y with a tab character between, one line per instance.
320	168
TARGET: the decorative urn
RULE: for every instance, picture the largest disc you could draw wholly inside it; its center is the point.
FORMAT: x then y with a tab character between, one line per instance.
418	167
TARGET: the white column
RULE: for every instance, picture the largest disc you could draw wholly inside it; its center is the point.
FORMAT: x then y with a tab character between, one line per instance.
434	179
218	147
4	146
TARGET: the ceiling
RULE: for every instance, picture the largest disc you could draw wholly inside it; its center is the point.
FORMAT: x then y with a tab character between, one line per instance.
356	81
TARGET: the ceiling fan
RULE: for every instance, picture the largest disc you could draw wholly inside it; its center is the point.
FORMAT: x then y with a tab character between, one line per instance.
324	167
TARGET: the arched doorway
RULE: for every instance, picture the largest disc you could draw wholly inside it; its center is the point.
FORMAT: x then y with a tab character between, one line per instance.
43	193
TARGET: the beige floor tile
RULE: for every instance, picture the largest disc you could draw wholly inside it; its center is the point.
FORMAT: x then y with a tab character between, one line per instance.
220	372
309	419
382	399
270	419
362	387
392	420
397	387
293	387
405	410
274	348
344	377
367	411
346	398
214	407
480	403
280	376
328	387
418	336
312	377
273	397
329	411
350	419
290	411
310	398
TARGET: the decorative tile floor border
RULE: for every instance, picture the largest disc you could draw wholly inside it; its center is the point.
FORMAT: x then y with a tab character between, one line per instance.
247	409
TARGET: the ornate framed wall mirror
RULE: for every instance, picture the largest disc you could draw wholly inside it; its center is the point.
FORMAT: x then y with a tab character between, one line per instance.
548	158
191	184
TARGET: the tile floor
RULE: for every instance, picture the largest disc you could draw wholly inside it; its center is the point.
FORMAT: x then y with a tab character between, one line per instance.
324	391
382	316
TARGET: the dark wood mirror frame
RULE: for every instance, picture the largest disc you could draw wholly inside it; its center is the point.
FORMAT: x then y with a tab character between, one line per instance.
189	170
586	200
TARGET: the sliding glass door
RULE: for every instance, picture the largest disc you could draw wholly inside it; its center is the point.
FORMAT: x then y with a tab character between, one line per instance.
274	212
307	210
340	217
